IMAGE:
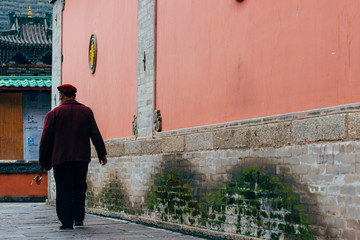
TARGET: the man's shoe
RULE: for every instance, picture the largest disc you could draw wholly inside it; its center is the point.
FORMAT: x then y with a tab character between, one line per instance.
79	223
63	227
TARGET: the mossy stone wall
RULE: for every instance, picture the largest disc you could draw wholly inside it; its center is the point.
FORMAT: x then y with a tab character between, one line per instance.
314	179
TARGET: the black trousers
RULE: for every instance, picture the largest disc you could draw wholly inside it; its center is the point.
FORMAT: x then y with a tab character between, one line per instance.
71	189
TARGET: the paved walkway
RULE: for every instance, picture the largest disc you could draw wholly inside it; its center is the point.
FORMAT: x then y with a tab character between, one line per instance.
39	221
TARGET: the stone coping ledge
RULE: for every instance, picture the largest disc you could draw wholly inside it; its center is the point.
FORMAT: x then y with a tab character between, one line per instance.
200	232
124	139
346	108
332	124
19	166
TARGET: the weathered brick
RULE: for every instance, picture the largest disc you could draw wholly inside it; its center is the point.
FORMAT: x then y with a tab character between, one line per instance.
132	147
331	169
150	146
353	125
293	160
340	169
330	210
300	169
339	223
283	169
344	159
200	141
333	233
349	200
277	134
268	169
333	190
317	230
330	202
230	154
264	152
300	188
231	138
348	189
115	149
353	224
284	152
313	170
319	129
347	147
173	144
352	212
357	168
319	179
334	222
299	150
324	149
350	234
246	153
218	177
325	159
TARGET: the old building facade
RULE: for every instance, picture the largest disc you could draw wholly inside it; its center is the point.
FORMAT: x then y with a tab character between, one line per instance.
25	84
230	118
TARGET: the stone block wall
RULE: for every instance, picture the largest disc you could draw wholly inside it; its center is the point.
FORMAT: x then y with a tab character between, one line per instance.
308	162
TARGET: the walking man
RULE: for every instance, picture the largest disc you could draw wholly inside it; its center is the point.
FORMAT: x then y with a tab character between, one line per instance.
65	146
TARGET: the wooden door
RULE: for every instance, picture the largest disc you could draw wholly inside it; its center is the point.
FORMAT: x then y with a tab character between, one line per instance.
11	126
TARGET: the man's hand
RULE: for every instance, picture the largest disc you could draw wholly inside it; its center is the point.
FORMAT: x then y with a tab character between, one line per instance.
103	160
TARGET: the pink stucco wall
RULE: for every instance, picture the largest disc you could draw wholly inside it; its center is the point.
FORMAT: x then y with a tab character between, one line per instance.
111	91
221	61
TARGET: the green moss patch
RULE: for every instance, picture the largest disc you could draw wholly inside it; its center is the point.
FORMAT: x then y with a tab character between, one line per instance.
266	208
172	197
257	204
111	199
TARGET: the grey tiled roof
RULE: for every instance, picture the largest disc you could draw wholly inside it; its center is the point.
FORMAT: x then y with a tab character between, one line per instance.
27	35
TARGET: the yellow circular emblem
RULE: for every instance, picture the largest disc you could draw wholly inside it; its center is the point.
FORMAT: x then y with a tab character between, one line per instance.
92	53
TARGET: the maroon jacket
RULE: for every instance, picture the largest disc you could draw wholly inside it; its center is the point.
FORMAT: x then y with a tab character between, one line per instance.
66	135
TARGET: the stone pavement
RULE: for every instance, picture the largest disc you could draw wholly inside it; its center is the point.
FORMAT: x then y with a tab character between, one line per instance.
39	221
